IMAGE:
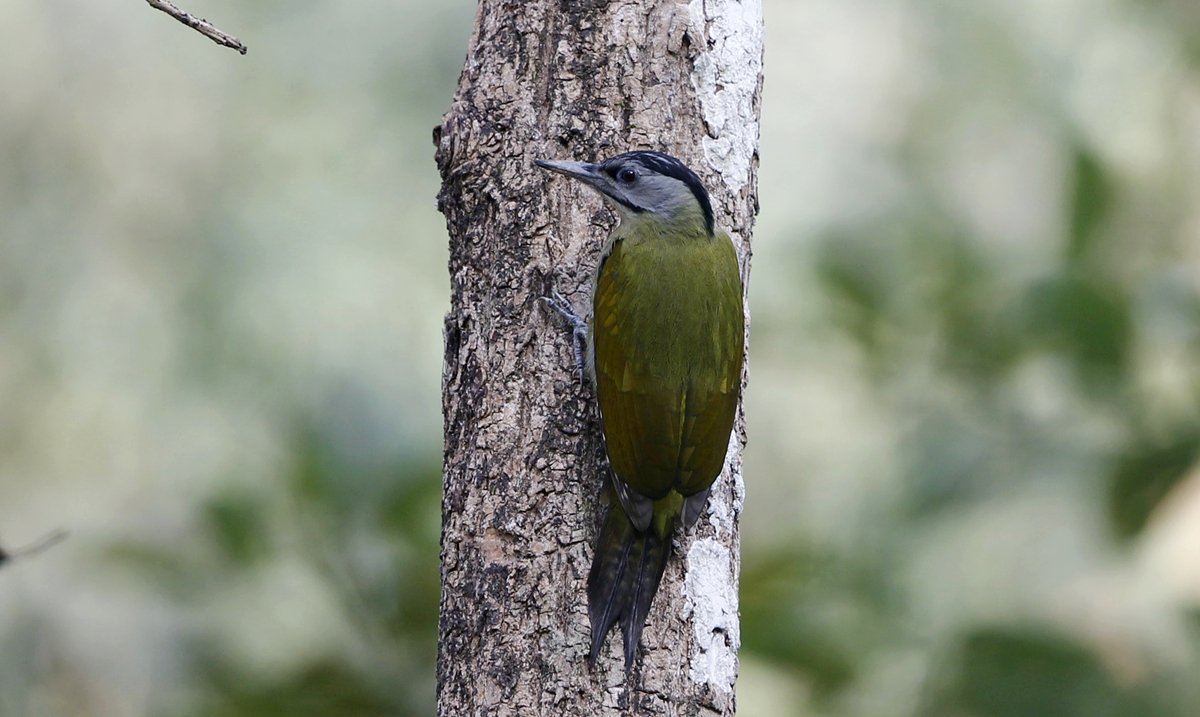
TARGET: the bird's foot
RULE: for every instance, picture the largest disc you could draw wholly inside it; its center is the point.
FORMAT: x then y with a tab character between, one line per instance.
579	327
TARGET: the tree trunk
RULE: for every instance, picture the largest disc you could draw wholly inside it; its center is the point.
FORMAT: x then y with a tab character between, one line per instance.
524	460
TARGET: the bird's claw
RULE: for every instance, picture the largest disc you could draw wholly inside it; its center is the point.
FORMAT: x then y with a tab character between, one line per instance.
579	327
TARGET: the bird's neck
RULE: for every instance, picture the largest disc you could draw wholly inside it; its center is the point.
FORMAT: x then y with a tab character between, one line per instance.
686	223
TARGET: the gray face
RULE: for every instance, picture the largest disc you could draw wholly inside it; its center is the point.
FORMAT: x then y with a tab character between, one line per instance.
633	184
638	187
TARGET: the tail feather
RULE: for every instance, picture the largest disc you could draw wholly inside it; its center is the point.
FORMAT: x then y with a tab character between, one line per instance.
625	575
649	575
606	599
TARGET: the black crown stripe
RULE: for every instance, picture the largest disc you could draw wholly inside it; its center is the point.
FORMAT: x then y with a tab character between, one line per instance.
668	166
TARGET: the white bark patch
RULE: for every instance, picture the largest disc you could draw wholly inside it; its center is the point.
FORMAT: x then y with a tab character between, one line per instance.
711	600
726	79
721	514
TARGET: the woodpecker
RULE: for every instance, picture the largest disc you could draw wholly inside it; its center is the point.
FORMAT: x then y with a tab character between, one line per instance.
663	348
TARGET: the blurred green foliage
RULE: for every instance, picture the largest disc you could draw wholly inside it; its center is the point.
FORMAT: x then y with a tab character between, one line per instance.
222	281
390	600
1037	395
1003	673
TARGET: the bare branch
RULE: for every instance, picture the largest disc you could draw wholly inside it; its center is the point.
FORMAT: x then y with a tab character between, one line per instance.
42	545
204	27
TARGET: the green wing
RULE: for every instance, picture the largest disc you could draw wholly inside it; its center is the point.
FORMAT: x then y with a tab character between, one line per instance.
668	339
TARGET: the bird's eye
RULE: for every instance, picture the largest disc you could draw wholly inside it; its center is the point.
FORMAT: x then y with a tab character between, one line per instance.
627	175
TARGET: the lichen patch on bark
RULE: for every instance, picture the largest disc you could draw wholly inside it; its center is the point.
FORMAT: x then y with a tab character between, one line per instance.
727	79
710	599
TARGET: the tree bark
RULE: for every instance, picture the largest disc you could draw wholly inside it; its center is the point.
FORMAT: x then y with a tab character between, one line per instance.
524	460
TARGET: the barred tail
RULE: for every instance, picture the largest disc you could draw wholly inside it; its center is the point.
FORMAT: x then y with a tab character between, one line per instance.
625	574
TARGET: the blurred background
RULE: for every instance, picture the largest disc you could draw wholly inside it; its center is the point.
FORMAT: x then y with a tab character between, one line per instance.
975	363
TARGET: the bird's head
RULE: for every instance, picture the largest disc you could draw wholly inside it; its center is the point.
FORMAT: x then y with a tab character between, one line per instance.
643	185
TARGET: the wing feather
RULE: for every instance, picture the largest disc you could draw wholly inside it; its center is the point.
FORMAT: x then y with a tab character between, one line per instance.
668	359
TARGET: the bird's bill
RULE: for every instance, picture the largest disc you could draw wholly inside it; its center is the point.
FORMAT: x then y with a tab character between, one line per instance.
583	171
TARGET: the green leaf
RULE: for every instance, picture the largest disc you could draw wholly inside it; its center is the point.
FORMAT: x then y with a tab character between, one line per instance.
237	523
1006	673
1092	197
1085	318
1144	475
